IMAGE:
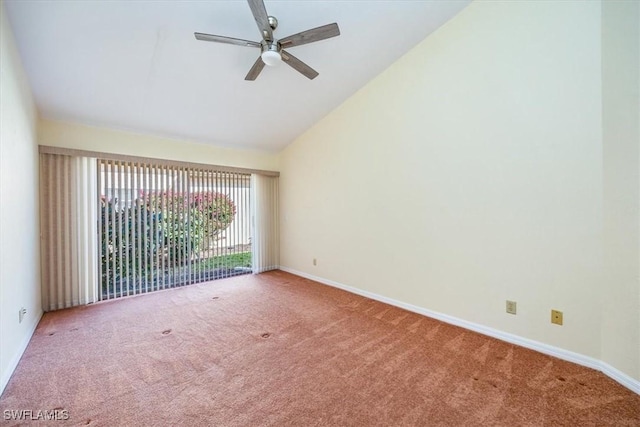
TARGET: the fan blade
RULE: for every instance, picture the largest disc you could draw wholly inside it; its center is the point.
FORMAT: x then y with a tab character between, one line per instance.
298	65
223	39
262	19
255	70
310	36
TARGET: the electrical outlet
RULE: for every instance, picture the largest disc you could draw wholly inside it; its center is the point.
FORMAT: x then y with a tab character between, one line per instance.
556	317
21	313
511	307
315	262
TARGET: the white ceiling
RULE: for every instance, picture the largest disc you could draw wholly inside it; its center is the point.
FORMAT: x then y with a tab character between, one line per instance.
136	65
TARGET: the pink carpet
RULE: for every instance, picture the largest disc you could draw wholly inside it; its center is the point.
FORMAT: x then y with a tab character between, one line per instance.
276	349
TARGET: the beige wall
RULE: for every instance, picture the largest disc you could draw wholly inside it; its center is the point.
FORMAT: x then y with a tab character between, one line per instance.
621	141
19	230
83	137
468	173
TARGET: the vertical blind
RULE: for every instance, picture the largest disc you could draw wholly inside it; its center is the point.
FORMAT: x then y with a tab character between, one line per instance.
166	226
69	239
113	228
266	247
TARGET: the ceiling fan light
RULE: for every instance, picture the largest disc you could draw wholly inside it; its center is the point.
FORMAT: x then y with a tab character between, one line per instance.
271	58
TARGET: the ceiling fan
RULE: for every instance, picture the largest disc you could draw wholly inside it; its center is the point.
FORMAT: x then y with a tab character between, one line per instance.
273	52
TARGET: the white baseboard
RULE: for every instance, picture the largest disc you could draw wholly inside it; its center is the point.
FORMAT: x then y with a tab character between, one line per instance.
6	376
570	356
621	377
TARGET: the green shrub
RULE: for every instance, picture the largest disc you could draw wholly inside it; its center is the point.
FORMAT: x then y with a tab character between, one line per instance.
168	227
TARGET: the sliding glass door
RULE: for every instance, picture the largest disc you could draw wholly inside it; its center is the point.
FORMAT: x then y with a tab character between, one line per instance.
163	226
113	226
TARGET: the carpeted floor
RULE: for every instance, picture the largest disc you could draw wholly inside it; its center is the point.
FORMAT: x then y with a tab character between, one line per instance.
276	349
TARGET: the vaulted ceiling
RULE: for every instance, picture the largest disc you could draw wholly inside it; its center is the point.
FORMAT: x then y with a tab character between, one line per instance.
135	65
